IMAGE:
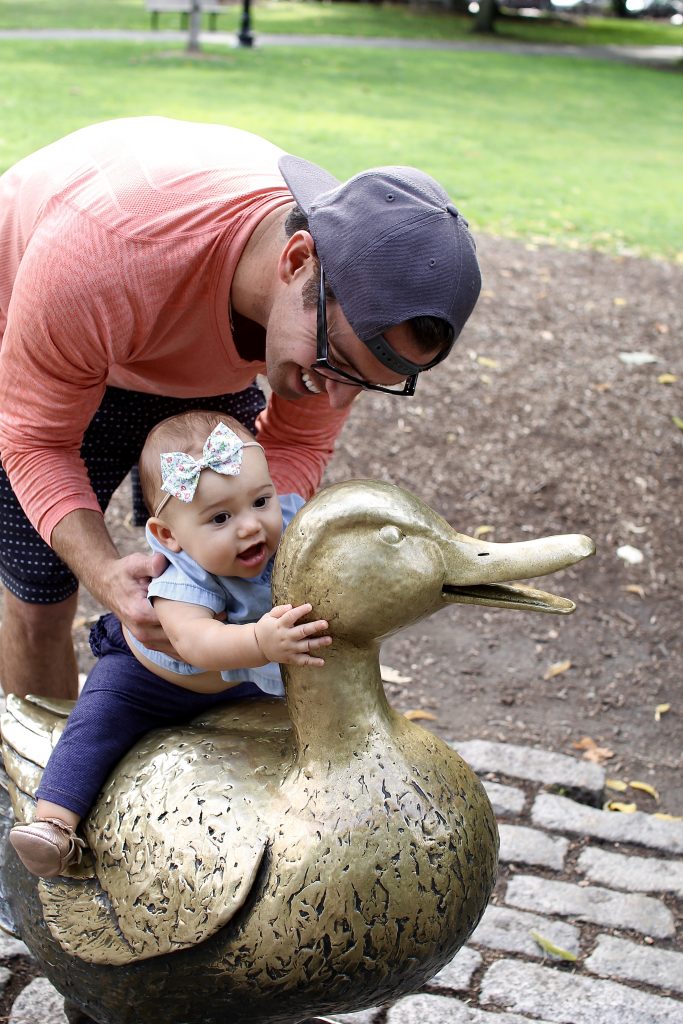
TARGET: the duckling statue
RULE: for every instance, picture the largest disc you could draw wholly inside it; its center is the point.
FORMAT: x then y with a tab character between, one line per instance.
274	860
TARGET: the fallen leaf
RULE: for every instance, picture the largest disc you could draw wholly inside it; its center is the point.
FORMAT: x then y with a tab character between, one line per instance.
630	554
666	817
616	805
667	378
485	379
549	947
598	755
557	669
638	358
617	785
660	710
391	675
645	787
662	328
635	588
481	531
678	422
417	714
619	301
603	387
490	363
592	752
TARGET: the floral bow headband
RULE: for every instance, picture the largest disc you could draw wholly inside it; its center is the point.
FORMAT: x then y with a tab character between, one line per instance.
180	473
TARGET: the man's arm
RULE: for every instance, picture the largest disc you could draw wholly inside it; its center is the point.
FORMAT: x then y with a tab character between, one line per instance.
120	584
299	439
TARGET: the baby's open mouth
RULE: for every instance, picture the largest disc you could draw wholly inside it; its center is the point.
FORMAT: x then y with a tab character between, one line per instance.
253	555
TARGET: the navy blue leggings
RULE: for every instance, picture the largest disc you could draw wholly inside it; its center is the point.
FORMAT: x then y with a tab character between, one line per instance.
120	701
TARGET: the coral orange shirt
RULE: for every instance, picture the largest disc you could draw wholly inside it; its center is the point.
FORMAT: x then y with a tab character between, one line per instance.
118	245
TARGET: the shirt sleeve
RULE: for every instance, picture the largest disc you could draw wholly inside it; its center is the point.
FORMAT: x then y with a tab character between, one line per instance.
174	585
55	354
299	438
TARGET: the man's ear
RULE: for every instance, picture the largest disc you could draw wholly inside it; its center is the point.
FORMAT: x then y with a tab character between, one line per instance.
296	255
163	533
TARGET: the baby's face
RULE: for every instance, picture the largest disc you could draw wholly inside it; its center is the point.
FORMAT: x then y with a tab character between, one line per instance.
233	524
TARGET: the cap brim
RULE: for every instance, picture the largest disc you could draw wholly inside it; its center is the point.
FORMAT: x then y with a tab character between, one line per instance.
306	181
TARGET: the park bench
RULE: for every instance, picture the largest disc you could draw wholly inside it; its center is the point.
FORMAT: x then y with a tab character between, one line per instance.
183	8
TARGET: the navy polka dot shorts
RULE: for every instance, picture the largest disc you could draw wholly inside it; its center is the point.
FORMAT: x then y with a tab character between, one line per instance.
29	568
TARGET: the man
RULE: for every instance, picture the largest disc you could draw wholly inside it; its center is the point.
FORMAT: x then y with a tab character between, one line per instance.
150	265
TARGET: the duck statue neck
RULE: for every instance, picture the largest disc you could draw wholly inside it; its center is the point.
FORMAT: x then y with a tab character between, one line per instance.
373	559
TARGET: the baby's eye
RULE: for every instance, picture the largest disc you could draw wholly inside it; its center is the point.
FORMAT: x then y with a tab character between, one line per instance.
261	502
220	519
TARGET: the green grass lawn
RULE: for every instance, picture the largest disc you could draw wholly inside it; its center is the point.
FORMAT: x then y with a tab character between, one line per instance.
289	16
577	151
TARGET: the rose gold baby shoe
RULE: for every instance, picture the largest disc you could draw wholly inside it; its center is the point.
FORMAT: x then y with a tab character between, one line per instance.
47	846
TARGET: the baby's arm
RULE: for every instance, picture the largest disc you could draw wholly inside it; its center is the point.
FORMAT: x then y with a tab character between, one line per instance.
203	641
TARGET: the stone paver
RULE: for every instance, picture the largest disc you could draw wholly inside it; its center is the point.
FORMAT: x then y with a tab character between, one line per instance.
458	973
39	1003
557	812
512	932
618	958
533	765
590	903
507	801
606	948
10	947
522	845
563	997
636	874
438	1010
360	1017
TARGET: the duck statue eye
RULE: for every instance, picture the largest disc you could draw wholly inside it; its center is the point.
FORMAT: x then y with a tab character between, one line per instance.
391	535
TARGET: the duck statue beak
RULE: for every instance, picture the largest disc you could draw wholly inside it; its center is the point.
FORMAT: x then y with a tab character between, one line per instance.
482	573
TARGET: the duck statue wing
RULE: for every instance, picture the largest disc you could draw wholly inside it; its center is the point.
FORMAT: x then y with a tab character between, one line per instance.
30	729
175	835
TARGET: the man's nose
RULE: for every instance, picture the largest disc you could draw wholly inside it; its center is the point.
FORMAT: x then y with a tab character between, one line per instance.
340	395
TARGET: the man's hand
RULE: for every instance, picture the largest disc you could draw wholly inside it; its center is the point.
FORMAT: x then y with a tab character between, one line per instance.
280	639
120	584
124	583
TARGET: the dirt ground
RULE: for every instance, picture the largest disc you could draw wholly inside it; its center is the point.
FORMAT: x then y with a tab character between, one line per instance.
536	426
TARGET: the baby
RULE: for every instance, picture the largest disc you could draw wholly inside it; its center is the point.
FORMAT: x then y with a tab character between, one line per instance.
217	519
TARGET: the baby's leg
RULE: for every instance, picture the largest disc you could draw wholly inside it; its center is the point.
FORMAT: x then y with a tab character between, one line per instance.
46	809
113	711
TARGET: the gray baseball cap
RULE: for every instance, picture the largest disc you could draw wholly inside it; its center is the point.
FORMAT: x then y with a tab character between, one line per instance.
393	247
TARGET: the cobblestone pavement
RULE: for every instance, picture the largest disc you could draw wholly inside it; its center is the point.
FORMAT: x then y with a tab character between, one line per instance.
584	926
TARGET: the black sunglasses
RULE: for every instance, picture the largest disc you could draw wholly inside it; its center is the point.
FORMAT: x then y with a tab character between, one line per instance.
322	362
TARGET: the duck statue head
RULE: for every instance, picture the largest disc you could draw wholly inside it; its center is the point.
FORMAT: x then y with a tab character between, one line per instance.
271	861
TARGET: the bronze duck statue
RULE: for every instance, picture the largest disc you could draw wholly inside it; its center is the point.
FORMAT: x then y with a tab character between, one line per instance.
273	860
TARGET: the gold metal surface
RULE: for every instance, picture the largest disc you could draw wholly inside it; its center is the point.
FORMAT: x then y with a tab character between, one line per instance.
316	857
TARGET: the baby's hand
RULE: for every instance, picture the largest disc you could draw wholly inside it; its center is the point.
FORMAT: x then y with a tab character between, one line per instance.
280	639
